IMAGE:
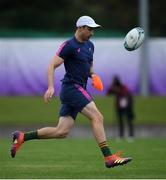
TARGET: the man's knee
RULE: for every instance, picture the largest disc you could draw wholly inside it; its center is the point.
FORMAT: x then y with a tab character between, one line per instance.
64	126
97	118
62	133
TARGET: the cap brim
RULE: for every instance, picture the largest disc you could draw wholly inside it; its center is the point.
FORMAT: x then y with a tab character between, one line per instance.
94	25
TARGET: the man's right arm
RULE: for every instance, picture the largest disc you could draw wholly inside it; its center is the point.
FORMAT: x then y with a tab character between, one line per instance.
56	62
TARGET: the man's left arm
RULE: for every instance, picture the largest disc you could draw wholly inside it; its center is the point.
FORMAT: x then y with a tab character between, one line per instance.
91	71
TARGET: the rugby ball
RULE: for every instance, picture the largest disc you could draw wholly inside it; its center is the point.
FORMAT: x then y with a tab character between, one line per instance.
134	39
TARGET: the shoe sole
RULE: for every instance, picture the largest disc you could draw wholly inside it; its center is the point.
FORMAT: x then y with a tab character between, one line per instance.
13	152
13	148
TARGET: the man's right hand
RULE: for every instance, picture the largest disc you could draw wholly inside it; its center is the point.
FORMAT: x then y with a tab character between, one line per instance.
48	94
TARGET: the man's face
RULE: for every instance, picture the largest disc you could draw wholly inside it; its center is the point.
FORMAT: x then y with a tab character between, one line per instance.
86	32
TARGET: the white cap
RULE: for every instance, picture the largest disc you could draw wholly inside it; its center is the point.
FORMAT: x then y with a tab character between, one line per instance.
86	21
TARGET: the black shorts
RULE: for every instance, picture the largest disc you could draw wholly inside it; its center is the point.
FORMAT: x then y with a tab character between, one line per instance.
73	99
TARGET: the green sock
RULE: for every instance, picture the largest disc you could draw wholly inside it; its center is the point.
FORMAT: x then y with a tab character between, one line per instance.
105	149
30	135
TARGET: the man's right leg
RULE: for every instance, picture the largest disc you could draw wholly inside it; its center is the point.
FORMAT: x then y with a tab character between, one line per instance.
60	131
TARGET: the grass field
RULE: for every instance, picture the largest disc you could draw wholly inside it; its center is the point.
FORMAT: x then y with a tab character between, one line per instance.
81	158
32	110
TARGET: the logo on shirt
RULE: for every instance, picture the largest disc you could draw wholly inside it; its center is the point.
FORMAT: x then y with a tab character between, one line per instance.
78	50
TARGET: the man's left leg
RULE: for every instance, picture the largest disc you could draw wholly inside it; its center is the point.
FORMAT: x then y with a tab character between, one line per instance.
96	118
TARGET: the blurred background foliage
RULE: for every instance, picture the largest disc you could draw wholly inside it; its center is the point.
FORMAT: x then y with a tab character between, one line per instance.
57	18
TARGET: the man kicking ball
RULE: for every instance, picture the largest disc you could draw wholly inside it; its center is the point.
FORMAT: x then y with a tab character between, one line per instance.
77	56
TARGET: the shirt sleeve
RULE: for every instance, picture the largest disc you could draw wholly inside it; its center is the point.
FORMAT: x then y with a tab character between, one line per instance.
64	50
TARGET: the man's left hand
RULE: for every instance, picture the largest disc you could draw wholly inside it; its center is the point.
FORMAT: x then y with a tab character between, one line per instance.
96	82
